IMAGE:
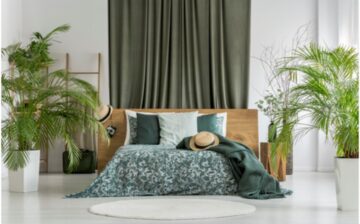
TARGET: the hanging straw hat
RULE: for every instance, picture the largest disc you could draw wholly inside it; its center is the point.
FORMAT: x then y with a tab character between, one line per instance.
203	140
104	112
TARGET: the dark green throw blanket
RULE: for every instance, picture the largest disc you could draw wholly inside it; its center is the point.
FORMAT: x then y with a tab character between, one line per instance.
254	181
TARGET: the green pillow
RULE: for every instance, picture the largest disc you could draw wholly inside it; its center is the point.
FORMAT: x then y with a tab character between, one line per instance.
148	129
209	123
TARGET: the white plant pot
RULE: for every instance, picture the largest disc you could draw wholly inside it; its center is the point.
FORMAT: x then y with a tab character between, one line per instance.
27	178
347	183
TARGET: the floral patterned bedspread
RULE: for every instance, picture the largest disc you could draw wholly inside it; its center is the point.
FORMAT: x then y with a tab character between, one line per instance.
139	170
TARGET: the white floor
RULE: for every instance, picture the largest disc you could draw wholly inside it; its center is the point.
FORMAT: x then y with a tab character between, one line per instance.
313	202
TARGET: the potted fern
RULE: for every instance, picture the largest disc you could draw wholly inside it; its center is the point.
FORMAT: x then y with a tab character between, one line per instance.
329	94
41	107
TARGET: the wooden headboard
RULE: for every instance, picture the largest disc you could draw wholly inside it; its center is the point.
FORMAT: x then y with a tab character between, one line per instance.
242	126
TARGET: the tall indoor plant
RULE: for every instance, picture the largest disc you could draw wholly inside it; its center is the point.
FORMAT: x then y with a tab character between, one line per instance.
41	107
329	94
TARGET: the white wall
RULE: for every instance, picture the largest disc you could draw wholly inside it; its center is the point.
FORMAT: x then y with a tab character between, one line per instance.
88	36
338	22
348	22
11	32
274	24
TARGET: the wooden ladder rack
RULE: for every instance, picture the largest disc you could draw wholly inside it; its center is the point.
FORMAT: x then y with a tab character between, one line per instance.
67	69
44	153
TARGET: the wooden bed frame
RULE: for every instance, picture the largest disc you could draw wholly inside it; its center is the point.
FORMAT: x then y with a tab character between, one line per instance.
242	126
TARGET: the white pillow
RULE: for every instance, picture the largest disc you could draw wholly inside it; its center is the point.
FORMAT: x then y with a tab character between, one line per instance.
224	121
175	127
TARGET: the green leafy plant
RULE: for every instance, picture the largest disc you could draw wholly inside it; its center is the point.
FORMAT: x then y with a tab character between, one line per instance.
328	93
277	103
41	106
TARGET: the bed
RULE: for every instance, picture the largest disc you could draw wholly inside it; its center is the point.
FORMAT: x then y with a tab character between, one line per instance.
231	167
242	126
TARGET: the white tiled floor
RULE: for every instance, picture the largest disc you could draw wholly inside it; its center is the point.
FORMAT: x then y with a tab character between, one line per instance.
313	202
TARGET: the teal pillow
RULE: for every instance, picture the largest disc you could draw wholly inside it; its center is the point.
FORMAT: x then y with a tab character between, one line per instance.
148	129
211	123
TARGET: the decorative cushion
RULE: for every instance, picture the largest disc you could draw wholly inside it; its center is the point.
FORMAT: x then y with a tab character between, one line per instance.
210	123
221	122
148	129
130	136
132	129
175	127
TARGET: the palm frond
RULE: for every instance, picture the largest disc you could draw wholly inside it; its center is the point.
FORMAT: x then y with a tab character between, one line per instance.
329	92
59	29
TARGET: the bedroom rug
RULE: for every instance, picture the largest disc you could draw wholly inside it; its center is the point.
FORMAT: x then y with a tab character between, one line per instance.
172	208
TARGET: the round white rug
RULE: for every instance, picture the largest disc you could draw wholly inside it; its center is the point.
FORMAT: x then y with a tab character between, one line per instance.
172	208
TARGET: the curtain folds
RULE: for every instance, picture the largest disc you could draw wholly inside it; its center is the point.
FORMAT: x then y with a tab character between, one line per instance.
179	53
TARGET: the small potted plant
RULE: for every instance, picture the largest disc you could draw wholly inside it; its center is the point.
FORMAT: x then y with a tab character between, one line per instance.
329	94
41	107
270	105
277	105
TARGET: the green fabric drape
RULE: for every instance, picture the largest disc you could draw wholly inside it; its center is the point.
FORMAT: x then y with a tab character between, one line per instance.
253	180
179	53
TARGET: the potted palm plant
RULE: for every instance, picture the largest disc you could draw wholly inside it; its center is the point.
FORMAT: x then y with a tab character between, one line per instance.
41	107
329	94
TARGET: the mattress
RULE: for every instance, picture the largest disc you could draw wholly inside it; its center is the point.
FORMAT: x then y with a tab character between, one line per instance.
141	170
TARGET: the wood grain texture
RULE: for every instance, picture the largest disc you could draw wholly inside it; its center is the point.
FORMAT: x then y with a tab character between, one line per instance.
242	126
265	158
265	150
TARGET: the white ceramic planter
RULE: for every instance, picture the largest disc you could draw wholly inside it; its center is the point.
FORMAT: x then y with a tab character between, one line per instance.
26	179
347	183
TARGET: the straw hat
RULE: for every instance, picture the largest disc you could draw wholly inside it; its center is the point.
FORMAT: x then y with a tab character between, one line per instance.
104	112
203	140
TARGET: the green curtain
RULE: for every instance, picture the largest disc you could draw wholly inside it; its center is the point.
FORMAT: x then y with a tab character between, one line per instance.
179	53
